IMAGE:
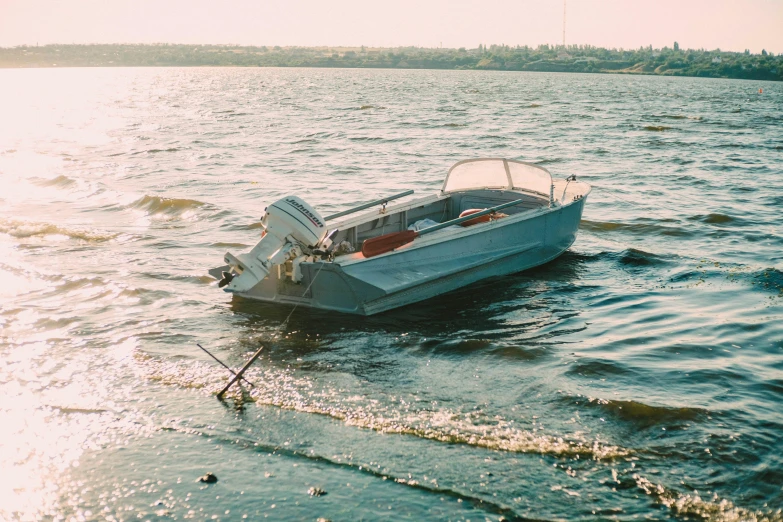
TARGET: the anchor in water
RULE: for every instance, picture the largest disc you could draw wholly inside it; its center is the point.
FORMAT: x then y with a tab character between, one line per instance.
237	375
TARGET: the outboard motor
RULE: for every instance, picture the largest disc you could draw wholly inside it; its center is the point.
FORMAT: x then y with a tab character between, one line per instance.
291	229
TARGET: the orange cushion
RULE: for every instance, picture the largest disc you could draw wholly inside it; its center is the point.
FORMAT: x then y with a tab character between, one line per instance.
480	219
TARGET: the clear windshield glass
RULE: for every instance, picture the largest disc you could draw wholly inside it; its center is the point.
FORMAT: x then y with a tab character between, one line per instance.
530	177
476	174
497	174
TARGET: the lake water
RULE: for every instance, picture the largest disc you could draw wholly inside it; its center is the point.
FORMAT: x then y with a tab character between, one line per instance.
640	375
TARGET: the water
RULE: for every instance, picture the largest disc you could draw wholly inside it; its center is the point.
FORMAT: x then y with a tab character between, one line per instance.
640	375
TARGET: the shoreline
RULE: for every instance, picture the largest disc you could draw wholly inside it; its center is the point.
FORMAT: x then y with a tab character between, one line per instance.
342	67
570	59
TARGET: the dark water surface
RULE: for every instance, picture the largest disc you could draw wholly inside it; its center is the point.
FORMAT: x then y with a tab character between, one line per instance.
640	375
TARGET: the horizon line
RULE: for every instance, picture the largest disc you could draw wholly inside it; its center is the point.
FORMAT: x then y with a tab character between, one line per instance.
272	46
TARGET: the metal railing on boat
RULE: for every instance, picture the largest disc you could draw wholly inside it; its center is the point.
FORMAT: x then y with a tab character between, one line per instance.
381	201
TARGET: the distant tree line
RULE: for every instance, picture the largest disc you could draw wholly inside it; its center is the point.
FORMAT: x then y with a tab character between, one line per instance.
672	61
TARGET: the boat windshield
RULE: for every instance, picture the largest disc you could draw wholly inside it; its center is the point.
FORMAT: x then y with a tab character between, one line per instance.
497	173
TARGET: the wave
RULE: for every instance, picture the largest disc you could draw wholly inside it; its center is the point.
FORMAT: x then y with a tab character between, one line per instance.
156	151
769	279
454	428
640	228
59	181
640	414
285	390
597	368
168	206
27	229
229	245
680	117
635	257
519	352
378	139
628	257
190	278
454	347
65	284
693	505
715	219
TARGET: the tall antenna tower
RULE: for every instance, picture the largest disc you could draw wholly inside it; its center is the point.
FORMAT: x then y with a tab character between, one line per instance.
564	20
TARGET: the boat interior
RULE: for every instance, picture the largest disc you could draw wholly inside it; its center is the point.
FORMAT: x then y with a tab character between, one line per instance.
438	208
470	184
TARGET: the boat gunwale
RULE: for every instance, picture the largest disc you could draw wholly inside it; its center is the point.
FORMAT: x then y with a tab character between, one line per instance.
447	235
361	218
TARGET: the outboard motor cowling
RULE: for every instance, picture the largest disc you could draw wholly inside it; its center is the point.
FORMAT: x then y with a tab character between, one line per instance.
291	228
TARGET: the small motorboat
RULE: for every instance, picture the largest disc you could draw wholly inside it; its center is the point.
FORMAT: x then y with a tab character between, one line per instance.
492	217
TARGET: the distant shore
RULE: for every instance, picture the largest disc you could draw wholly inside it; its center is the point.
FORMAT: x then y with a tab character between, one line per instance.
577	59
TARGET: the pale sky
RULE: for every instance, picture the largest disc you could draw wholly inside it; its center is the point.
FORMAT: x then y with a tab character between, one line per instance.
731	25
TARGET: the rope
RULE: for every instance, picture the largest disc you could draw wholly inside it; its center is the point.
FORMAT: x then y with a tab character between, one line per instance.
239	375
305	292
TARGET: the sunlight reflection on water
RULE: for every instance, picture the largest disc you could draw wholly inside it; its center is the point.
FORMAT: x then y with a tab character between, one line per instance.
592	386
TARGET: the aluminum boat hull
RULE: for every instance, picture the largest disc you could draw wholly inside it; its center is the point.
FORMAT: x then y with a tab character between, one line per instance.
431	265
